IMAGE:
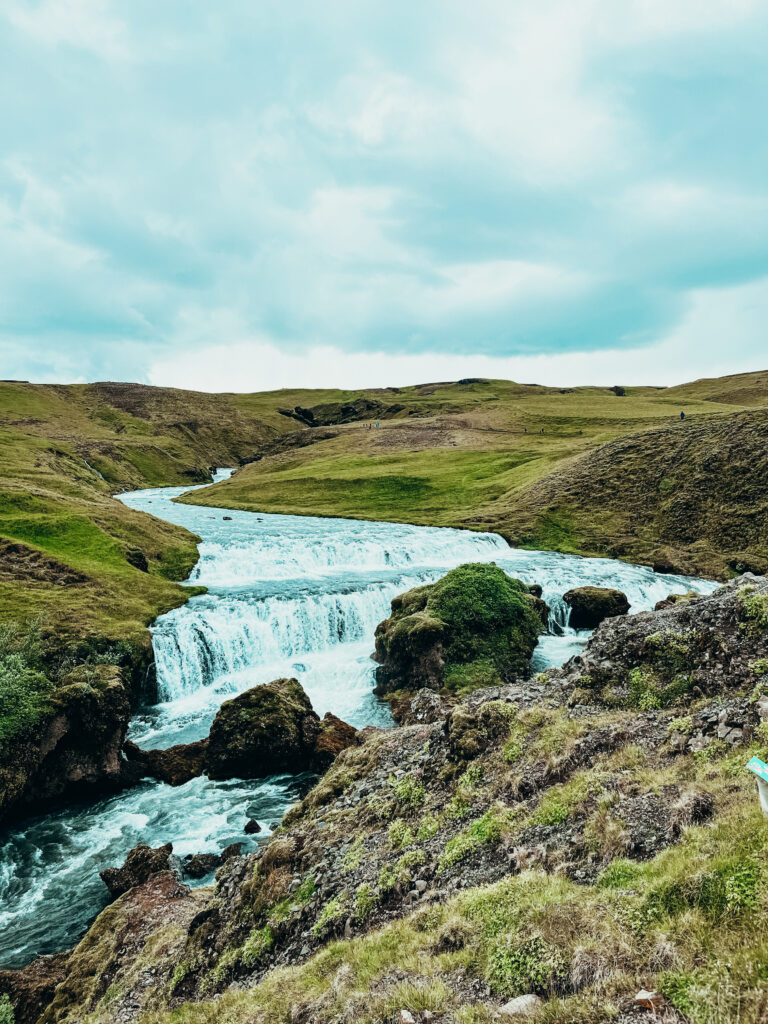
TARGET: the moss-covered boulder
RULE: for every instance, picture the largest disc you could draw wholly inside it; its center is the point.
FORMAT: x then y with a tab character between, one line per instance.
590	605
273	728
474	627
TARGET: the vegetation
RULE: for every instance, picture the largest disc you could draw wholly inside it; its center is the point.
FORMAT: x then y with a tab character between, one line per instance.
544	467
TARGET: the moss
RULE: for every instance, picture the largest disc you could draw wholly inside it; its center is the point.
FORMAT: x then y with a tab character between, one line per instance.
682	725
648	691
25	689
408	792
620	874
486	829
257	945
354	854
7	1015
332	910
756	609
428	827
400	834
365	902
759	667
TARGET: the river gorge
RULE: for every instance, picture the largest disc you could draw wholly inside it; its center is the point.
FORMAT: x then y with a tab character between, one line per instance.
286	596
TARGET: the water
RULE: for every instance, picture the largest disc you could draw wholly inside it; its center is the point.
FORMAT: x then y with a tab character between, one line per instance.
287	595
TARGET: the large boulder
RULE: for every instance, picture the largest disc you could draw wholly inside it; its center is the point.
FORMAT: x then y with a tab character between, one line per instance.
273	728
269	729
141	863
590	605
474	627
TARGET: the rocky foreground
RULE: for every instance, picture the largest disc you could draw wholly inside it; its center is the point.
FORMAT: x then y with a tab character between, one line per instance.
585	846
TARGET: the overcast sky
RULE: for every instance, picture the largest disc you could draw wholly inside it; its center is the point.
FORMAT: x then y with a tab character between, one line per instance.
249	194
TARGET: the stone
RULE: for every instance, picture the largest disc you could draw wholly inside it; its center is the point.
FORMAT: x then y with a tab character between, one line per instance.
174	765
521	1006
474	627
252	827
405	1017
649	1000
590	605
233	850
273	728
201	864
141	863
31	989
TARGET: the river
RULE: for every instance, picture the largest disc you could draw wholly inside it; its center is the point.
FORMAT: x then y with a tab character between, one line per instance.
287	595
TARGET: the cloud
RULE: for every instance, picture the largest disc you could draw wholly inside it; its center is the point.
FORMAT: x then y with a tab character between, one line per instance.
540	185
84	24
698	347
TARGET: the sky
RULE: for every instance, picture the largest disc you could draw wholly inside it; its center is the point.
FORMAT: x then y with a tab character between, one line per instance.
241	196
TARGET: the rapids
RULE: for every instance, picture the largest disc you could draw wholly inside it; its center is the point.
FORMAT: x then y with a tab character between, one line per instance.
287	595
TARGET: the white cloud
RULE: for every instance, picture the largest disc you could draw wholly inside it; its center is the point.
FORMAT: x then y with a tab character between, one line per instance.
85	24
699	347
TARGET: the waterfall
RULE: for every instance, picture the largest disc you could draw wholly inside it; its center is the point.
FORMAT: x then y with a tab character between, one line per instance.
215	636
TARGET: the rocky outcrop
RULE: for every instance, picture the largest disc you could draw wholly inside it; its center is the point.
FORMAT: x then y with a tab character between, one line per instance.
690	649
76	748
590	605
579	775
141	863
174	765
474	627
266	730
31	989
113	974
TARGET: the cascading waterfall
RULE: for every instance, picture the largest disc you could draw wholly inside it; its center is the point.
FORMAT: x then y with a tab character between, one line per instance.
287	596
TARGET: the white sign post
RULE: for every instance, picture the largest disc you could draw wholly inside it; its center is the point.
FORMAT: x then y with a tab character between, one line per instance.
760	769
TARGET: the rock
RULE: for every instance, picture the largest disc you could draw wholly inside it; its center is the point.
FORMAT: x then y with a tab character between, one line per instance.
590	605
75	750
174	765
332	737
273	728
201	864
522	1006
233	850
475	627
649	1000
404	1017
252	827
672	599
141	863
227	519
111	952
30	990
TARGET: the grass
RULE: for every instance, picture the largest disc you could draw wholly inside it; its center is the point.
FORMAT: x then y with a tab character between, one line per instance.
531	463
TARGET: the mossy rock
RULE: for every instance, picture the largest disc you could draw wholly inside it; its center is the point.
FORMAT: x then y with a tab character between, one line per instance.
474	627
590	605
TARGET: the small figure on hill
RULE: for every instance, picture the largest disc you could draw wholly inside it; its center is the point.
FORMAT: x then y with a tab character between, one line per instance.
682	415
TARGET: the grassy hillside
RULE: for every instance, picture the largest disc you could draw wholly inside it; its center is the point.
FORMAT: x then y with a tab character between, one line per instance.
477	454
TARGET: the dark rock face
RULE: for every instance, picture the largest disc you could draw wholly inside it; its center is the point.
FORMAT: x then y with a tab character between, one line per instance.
31	989
333	736
269	729
654	659
474	627
78	746
140	864
199	865
175	765
590	605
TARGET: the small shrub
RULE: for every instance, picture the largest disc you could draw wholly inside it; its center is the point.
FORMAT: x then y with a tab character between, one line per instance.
484	830
530	966
354	855
332	910
258	943
7	1015
756	609
682	725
